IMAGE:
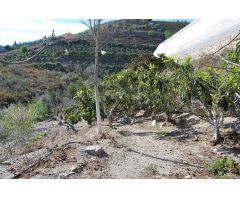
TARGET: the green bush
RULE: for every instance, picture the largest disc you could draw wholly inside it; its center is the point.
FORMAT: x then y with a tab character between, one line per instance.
38	110
24	49
222	166
16	123
167	34
153	33
18	120
71	90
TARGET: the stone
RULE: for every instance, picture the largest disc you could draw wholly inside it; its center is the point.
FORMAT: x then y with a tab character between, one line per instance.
76	169
96	151
153	122
188	177
63	175
79	167
162	124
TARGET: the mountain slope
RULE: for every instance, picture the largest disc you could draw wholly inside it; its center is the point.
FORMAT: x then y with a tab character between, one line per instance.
74	54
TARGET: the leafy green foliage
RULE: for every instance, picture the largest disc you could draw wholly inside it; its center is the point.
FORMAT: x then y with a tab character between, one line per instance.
24	49
37	137
222	166
167	34
38	110
84	108
17	121
72	89
206	90
237	51
153	33
151	169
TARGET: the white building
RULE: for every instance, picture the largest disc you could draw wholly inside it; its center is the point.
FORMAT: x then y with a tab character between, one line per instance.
202	36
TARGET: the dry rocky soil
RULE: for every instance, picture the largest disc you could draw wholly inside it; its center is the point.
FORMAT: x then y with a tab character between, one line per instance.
180	149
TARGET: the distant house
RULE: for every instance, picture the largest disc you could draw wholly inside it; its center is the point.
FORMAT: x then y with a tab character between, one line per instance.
202	36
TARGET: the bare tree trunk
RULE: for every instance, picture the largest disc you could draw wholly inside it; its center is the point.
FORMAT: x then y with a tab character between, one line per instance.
109	117
96	91
216	134
168	116
217	121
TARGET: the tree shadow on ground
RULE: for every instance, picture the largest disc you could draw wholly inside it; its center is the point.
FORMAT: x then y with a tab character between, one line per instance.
183	121
165	159
234	124
180	135
223	150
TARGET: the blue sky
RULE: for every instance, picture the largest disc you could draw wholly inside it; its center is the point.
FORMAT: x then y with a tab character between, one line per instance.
30	30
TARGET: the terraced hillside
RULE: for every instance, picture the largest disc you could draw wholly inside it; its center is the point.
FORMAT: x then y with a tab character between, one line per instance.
74	54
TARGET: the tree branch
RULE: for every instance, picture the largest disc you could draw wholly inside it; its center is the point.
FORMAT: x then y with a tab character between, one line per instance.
4	62
227	61
226	44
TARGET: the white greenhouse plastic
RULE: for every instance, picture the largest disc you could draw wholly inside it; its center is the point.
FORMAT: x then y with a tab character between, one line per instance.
202	36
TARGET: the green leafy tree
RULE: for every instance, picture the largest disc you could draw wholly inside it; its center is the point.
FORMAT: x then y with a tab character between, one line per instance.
167	34
24	49
207	93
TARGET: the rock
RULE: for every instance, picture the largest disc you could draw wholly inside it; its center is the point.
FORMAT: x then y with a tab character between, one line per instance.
153	122
79	167
6	162
162	124
63	175
96	151
188	177
76	169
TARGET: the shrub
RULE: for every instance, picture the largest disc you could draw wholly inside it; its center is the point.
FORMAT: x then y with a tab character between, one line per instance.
24	49
38	110
152	33
151	169
84	108
16	124
222	166
71	90
167	34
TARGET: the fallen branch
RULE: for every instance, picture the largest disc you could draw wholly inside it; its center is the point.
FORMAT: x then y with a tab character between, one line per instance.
62	147
63	122
18	175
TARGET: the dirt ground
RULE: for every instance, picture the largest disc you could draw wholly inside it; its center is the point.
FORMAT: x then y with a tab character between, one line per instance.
141	150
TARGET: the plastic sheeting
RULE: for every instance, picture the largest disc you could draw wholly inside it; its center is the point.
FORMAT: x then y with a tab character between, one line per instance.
202	36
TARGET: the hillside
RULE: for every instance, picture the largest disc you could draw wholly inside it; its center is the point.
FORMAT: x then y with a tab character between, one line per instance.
124	40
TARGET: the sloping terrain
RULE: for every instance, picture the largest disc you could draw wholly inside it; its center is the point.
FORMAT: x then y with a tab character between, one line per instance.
123	41
141	150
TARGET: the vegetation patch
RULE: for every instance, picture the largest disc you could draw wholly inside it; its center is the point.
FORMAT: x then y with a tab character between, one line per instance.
223	166
151	169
